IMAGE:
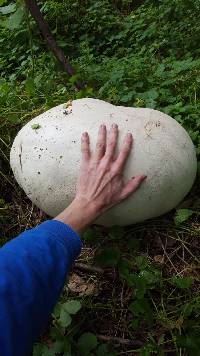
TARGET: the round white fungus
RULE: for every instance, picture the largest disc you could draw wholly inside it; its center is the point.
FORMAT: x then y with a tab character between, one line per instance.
45	158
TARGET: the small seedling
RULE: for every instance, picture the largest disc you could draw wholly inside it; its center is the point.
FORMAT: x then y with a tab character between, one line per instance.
36	126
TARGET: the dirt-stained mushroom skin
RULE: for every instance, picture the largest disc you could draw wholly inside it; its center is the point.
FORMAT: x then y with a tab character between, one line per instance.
162	150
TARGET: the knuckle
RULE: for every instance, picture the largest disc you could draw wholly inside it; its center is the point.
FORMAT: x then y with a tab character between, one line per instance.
100	146
85	150
124	153
115	170
111	144
105	165
126	148
136	185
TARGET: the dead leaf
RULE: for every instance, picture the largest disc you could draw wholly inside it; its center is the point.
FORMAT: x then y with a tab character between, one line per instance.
80	286
67	104
159	259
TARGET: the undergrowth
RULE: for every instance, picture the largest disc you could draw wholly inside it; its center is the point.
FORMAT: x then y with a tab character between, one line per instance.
140	295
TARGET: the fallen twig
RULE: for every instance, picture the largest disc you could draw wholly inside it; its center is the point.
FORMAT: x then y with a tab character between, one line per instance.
34	9
119	340
88	268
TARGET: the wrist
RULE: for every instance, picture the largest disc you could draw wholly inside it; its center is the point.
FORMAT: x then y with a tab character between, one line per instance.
78	215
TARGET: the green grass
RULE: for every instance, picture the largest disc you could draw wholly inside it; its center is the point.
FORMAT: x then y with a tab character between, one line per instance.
139	286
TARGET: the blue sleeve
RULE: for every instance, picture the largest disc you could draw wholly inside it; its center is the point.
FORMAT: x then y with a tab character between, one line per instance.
33	268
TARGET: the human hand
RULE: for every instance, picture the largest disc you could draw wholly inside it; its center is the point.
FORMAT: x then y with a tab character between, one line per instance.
100	183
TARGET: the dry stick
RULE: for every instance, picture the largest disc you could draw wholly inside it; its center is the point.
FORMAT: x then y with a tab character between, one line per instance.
119	340
88	268
45	30
166	254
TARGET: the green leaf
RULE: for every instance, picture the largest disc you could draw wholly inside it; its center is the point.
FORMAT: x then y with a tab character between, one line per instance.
187	309
62	312
127	97
55	333
151	94
65	319
2	2
182	215
151	276
39	349
138	307
14	20
58	346
138	283
30	86
57	310
142	307
109	257
104	351
49	352
90	234
190	342
181	282
73	79
142	262
72	306
35	126
86	343
135	323
146	350
8	9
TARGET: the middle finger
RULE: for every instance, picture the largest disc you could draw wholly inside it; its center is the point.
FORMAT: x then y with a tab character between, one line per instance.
101	143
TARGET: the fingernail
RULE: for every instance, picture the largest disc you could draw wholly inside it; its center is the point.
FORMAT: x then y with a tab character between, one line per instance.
129	135
103	126
85	134
114	126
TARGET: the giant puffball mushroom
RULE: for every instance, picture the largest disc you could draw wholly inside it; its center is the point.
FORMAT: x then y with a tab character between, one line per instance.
45	158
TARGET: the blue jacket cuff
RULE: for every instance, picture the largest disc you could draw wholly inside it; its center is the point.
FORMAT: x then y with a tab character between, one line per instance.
65	234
